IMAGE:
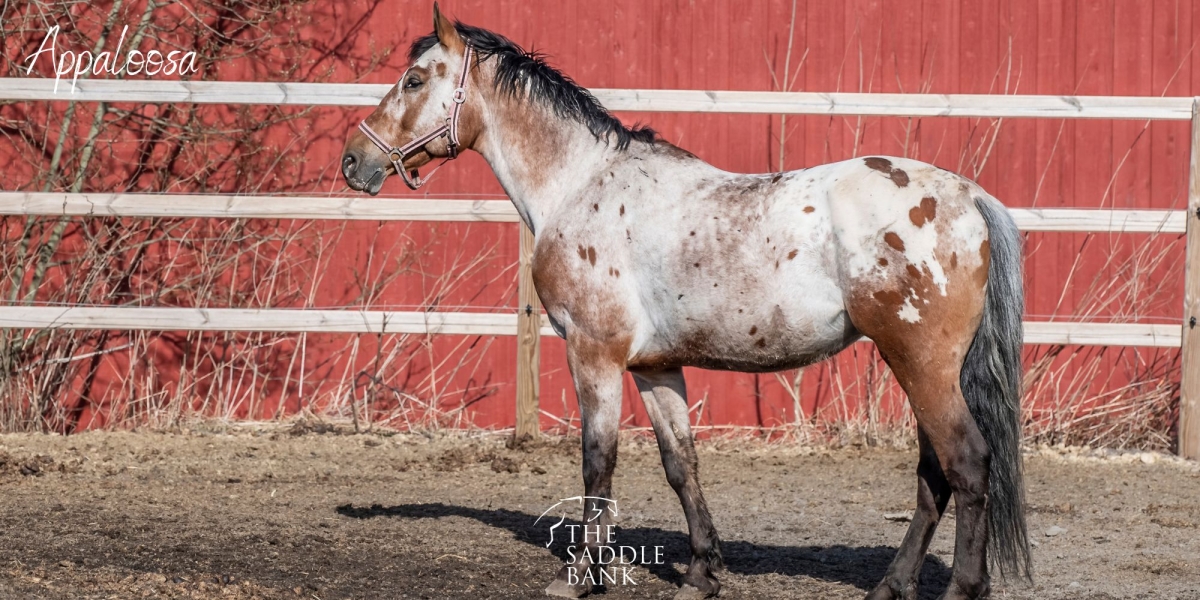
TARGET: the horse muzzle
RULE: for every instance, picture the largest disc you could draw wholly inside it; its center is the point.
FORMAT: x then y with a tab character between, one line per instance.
361	175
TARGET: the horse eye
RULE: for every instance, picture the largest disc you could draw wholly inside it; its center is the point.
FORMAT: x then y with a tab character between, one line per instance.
412	83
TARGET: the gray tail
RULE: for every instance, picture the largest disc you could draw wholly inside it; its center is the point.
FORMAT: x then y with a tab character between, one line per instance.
991	384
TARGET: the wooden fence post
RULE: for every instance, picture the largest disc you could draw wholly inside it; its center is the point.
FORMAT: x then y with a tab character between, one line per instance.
529	321
1189	389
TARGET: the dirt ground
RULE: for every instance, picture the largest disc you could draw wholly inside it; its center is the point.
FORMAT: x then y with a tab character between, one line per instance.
312	514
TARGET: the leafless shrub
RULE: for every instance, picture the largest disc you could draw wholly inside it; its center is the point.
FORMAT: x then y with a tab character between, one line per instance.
63	380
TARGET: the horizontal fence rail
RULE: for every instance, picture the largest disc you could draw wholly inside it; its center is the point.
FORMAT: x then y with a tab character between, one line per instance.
280	320
494	211
805	103
451	323
451	210
361	208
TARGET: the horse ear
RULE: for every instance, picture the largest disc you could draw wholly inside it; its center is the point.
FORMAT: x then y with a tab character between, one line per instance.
446	32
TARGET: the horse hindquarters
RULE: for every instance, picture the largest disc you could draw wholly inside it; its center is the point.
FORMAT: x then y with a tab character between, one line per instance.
966	413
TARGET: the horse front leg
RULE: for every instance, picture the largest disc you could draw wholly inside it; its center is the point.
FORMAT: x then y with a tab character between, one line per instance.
665	396
597	373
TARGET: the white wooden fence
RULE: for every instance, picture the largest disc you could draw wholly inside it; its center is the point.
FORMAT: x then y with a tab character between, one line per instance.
352	321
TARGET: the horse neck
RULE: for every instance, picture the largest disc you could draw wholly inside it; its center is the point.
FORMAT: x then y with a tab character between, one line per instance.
540	159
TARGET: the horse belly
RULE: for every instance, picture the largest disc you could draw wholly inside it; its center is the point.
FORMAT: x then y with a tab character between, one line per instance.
803	323
793	321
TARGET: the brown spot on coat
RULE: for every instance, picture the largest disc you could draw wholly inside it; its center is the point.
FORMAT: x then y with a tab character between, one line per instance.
622	210
985	259
913	271
793	254
953	260
883	262
596	207
889	298
761	343
883	165
809	209
893	240
879	163
582	252
591	255
925	213
753	329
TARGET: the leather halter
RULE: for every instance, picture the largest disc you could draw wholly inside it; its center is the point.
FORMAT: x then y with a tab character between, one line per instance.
449	129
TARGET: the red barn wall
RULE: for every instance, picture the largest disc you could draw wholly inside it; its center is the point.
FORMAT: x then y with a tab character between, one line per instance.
1093	47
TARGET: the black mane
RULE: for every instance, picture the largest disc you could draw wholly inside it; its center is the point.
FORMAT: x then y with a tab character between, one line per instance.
519	72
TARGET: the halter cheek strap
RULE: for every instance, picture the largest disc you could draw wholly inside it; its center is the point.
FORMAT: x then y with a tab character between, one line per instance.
449	130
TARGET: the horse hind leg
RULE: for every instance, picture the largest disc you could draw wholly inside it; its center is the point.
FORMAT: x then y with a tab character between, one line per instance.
933	493
926	354
931	381
665	396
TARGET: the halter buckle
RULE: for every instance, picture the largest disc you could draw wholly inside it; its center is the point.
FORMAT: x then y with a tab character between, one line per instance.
460	95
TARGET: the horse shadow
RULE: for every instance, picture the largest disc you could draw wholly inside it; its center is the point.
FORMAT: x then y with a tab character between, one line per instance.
862	567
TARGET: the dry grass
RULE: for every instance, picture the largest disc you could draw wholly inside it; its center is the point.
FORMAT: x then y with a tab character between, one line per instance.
67	380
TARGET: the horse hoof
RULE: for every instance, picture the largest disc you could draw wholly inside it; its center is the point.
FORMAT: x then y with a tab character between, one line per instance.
690	592
561	589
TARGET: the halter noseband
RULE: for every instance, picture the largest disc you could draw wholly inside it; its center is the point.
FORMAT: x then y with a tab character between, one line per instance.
448	129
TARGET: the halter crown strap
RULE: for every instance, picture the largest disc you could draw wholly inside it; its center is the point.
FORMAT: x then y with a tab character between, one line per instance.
449	129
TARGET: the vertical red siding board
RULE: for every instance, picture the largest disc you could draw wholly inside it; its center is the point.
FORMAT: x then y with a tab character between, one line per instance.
1093	139
1016	156
982	72
901	69
864	23
1055	76
745	146
1171	69
826	43
702	67
1013	156
594	30
1132	52
939	136
795	126
727	46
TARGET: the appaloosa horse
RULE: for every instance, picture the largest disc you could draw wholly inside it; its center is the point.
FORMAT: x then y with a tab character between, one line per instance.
648	259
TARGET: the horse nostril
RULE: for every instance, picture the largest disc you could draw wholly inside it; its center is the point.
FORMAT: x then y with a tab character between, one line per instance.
348	163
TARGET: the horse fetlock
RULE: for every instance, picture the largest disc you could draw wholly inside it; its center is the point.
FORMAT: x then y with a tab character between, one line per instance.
716	562
699	580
